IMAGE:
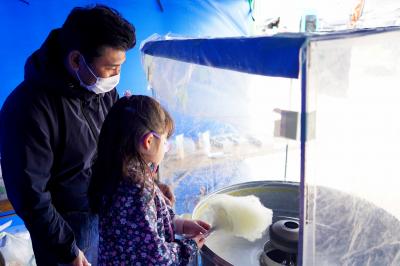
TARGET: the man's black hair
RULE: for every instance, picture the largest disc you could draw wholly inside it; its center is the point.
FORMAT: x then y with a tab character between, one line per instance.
89	29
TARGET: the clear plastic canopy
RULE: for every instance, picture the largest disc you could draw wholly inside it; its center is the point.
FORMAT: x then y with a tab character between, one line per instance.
317	109
352	86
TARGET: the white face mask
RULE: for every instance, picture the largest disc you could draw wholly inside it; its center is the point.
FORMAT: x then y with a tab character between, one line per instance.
102	85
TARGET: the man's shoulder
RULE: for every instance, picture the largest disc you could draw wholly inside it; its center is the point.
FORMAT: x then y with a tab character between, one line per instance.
24	99
28	89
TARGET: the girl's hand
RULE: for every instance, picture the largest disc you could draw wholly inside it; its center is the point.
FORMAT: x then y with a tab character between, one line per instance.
193	228
200	239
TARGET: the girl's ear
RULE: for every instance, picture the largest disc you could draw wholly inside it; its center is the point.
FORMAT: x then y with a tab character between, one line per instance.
147	141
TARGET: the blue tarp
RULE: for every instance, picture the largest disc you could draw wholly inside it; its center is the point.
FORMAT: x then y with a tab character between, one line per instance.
277	55
271	56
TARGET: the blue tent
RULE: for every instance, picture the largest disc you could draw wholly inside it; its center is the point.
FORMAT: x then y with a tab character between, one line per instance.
27	23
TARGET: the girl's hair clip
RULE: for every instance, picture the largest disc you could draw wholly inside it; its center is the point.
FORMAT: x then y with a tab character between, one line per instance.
127	93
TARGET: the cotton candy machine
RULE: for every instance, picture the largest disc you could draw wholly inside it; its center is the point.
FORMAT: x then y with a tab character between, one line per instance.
282	248
316	108
222	248
374	242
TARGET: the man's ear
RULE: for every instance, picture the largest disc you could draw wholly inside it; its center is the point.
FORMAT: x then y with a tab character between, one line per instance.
74	59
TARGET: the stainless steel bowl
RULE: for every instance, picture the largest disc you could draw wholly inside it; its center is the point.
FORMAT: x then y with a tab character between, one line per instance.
281	197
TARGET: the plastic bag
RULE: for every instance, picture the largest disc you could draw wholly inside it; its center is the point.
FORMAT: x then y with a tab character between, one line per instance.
17	249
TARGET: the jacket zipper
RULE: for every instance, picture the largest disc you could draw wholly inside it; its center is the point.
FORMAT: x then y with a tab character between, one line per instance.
90	124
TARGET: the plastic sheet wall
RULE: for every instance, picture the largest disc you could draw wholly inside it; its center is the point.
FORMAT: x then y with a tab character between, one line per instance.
234	127
352	171
228	127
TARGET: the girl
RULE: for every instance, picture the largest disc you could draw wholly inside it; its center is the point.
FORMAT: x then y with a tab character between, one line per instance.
137	226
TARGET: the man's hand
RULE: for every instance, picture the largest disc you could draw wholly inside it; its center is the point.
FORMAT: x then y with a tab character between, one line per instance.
79	261
168	194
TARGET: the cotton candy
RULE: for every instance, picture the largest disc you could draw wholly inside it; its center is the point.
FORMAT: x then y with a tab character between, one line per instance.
241	216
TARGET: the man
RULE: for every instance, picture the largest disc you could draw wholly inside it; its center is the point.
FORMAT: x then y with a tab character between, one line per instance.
49	127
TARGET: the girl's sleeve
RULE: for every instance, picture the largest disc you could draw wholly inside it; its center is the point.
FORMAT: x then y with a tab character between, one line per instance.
150	246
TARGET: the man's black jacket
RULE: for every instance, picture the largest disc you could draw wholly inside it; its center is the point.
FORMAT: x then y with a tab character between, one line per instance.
49	127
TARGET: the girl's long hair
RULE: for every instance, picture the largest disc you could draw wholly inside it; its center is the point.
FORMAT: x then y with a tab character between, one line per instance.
118	149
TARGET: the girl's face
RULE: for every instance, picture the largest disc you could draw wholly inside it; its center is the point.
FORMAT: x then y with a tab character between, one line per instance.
154	147
162	147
